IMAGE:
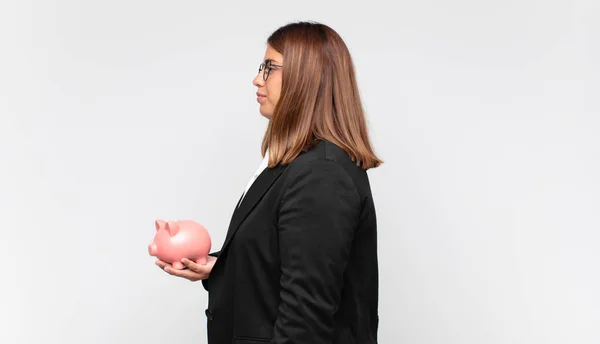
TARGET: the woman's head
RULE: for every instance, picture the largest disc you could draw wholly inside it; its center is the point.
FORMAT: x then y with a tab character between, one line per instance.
311	94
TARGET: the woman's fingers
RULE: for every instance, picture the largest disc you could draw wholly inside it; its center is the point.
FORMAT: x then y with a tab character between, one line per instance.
201	269
194	272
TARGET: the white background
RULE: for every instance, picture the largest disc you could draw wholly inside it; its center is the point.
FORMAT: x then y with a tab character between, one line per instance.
115	113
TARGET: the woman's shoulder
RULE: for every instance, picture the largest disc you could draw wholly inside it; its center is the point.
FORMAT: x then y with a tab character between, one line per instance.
328	162
322	154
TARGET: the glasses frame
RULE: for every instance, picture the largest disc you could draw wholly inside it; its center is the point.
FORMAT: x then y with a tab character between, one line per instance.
268	66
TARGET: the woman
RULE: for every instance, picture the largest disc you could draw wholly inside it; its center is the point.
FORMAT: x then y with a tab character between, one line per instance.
299	262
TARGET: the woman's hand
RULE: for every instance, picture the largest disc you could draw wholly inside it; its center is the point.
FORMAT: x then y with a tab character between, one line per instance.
193	272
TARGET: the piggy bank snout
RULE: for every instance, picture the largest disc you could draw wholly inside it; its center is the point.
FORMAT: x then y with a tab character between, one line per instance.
152	249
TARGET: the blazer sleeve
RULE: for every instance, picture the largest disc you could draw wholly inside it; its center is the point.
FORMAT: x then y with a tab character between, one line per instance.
205	282
317	218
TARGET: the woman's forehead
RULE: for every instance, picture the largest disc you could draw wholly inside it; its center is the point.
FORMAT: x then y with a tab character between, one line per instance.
273	55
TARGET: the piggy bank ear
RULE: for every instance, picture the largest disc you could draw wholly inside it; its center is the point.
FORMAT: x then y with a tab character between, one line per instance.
159	224
172	227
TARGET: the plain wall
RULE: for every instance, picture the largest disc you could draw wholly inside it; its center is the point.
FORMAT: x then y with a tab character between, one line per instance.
115	113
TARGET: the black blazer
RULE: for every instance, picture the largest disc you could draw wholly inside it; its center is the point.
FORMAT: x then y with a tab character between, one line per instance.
299	262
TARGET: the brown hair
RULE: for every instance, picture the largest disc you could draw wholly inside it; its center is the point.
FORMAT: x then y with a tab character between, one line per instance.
319	97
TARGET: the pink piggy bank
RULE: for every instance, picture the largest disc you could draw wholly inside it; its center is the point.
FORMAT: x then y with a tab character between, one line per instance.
175	240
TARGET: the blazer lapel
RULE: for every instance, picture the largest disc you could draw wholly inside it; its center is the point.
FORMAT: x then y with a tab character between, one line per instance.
256	191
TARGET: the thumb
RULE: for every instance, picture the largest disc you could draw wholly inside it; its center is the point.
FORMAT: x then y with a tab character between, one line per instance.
193	266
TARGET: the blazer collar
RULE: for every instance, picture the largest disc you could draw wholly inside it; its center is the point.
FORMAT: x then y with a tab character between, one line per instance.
254	194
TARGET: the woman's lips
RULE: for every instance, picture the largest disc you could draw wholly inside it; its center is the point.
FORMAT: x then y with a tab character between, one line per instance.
259	97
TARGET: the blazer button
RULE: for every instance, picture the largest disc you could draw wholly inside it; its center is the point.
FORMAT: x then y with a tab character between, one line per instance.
209	314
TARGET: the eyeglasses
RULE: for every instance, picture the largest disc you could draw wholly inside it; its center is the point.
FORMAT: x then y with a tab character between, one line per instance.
268	67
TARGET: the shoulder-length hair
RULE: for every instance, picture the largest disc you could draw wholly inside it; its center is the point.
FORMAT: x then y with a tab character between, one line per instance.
319	98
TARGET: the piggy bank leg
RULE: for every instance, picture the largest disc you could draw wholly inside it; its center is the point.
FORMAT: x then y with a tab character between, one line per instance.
201	260
177	265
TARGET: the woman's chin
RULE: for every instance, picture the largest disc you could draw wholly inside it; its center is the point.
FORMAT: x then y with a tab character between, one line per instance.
265	114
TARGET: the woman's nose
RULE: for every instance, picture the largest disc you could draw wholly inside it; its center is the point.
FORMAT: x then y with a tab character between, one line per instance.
258	80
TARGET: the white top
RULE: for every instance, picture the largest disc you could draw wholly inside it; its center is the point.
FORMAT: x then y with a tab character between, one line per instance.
260	169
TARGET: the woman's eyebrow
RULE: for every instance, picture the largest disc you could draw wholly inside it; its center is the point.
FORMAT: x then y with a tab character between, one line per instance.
271	60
